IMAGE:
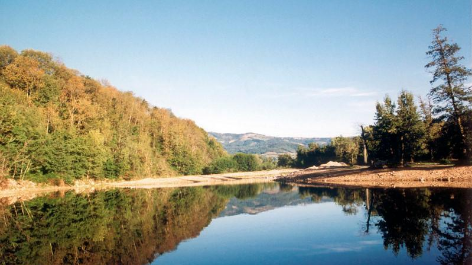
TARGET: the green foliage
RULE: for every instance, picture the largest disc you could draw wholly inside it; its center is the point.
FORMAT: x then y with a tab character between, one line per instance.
64	155
315	155
285	160
239	162
58	124
346	149
398	133
221	165
267	163
246	162
384	131
410	128
342	149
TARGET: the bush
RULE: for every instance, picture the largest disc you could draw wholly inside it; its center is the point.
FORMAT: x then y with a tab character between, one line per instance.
285	160
238	162
221	165
246	162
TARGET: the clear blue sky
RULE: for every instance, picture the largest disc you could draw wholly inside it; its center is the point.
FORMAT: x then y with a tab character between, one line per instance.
284	68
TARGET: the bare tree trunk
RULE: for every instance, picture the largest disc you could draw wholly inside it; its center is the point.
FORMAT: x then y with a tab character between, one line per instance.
364	143
402	159
369	203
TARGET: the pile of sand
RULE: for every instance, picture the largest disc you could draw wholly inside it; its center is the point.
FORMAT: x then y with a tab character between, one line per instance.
333	164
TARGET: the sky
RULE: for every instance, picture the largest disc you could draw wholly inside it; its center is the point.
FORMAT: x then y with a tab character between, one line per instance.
283	68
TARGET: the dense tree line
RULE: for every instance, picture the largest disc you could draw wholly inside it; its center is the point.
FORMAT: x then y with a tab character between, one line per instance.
439	128
343	149
240	163
56	123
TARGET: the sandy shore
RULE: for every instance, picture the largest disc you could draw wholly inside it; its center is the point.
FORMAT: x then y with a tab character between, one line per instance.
411	177
25	190
420	176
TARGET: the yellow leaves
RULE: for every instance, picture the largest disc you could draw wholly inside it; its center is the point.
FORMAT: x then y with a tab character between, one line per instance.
73	89
44	60
24	74
125	131
97	138
7	56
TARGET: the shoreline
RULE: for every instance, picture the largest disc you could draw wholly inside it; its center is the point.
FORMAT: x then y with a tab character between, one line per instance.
25	190
433	176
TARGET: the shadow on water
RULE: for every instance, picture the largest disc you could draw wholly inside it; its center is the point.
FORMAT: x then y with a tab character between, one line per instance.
136	226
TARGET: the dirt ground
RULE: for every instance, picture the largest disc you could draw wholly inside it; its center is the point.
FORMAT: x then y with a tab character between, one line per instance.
12	191
408	177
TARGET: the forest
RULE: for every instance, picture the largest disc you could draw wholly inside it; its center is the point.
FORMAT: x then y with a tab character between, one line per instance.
437	128
57	125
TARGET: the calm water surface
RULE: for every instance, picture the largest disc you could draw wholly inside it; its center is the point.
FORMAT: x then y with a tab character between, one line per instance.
240	224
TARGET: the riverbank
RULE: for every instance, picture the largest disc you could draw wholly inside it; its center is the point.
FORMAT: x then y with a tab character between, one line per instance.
25	190
409	177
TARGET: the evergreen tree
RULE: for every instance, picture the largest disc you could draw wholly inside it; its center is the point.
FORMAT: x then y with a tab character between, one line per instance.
451	96
385	132
410	129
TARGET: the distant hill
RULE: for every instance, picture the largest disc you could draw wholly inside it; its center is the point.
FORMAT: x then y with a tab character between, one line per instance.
253	143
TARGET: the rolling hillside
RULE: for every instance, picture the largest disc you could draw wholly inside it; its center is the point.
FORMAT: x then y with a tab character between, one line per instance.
253	143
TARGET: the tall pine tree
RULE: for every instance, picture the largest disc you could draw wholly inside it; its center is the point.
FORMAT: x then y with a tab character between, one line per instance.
410	128
451	97
385	132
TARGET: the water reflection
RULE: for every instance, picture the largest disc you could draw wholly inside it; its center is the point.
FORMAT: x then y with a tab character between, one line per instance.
410	218
137	226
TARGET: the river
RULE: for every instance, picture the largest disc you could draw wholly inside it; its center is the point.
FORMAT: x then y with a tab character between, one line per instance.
266	223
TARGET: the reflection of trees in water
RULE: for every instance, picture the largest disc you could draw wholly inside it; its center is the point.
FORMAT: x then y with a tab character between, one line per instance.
454	233
404	219
112	227
285	187
407	217
244	191
348	199
455	242
131	226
